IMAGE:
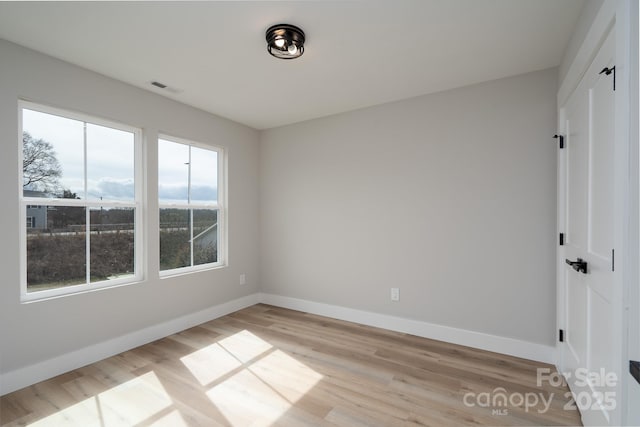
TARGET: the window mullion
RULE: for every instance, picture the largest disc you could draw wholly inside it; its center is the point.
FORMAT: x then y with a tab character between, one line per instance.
88	243
191	234
190	210
87	211
189	179
211	207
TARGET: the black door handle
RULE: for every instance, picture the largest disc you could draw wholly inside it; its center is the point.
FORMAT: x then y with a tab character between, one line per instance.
578	265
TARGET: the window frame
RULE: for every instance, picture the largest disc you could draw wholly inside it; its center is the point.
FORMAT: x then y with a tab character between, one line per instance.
137	204
220	206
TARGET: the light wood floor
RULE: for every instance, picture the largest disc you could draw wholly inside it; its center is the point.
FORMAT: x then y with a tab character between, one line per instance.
270	366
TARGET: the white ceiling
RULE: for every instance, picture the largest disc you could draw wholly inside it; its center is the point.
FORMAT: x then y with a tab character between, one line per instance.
358	53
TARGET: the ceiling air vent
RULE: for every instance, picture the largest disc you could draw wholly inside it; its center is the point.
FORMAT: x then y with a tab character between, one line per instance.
165	87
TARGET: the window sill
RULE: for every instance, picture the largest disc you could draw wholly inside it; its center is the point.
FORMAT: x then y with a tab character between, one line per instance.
38	296
189	270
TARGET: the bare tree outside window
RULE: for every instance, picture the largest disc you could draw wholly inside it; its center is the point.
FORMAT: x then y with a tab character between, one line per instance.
81	201
40	167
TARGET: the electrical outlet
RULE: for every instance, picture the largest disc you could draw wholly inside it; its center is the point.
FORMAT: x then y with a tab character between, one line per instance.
243	279
395	294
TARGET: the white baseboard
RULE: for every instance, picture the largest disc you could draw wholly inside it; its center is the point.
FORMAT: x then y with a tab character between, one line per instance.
498	344
23	377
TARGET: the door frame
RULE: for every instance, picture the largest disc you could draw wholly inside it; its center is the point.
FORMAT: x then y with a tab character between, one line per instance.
618	14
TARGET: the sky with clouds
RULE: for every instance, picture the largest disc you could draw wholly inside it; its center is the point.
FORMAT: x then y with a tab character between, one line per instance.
110	164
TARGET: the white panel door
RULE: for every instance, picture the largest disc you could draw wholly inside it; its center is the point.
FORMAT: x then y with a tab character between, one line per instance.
589	356
633	382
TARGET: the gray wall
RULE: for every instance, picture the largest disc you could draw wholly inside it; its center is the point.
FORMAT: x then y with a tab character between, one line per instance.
38	331
450	197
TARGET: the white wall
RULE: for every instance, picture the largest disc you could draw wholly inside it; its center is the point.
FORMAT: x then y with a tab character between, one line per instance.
450	197
36	332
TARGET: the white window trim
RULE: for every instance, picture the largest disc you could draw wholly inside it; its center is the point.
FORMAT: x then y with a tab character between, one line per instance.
220	206
137	204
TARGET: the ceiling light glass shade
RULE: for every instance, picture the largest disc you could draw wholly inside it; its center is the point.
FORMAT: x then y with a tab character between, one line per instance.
285	41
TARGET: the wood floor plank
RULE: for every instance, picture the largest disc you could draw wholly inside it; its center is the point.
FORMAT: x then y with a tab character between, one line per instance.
266	365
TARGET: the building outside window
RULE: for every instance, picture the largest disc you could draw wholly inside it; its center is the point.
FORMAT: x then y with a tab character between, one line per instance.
191	205
81	202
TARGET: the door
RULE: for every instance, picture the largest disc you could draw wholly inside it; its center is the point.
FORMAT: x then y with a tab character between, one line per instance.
589	357
633	375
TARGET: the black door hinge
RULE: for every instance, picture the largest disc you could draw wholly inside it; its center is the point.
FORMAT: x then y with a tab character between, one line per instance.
561	239
634	369
561	335
613	260
561	138
608	71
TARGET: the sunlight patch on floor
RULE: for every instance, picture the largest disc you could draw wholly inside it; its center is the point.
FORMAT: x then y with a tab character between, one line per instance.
286	375
126	404
172	419
224	357
245	346
210	363
263	392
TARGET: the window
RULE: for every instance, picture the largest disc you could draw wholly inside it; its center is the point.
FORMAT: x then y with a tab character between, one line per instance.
81	203
191	210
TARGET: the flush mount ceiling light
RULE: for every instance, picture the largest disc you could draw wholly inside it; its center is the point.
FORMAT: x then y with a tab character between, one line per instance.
285	41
